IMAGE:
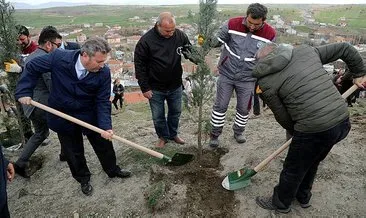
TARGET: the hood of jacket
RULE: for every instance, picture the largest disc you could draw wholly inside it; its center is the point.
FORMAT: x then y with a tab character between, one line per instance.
274	62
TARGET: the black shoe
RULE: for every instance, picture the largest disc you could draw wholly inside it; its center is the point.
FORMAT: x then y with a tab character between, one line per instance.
266	203
21	171
304	205
62	157
121	174
86	188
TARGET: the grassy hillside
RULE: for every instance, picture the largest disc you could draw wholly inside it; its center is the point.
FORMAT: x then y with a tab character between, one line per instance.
355	15
108	15
120	15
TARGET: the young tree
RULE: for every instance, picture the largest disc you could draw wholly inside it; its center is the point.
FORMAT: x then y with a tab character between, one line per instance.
203	80
9	51
8	33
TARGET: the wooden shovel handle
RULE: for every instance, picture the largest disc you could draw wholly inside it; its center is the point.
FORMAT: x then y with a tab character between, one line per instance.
266	161
96	129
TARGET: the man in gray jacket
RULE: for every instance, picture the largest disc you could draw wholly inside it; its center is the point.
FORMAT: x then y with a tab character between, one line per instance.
49	40
241	38
305	102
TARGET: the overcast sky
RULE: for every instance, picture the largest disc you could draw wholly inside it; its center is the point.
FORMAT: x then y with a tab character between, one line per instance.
175	2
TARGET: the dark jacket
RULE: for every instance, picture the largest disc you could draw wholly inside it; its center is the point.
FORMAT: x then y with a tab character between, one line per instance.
240	45
118	89
86	99
71	45
298	89
43	87
3	180
158	60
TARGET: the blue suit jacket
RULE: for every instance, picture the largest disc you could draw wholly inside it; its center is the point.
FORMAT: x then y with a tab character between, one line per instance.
86	99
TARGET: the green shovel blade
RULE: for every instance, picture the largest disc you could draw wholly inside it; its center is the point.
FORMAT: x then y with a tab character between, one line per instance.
238	179
178	159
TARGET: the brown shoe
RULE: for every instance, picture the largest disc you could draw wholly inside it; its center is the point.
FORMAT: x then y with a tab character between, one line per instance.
161	143
179	140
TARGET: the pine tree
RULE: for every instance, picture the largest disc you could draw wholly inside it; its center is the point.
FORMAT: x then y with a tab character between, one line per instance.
203	80
8	33
9	50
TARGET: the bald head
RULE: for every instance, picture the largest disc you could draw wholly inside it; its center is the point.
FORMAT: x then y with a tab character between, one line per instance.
166	17
166	24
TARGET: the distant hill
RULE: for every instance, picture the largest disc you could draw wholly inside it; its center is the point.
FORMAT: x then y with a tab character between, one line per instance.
19	5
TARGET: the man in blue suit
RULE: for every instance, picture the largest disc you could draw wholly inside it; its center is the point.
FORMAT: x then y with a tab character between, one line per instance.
68	46
80	88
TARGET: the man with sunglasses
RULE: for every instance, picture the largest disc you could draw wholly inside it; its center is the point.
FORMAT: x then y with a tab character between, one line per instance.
49	40
241	37
80	88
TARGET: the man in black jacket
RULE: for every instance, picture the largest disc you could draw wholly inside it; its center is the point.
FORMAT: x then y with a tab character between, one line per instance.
159	74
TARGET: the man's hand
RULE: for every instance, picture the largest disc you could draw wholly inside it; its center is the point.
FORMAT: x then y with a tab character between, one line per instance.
339	81
25	100
191	54
12	66
148	94
108	134
10	172
360	82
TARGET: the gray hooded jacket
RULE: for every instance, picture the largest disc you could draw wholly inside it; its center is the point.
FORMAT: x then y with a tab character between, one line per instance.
299	91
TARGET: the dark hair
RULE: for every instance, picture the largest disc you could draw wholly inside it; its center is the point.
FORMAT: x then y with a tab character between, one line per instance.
257	11
49	33
22	30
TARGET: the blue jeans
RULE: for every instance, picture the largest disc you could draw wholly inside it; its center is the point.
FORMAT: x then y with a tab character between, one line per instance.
166	127
306	152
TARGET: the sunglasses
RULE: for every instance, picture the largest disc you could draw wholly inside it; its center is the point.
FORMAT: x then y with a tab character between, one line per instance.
57	44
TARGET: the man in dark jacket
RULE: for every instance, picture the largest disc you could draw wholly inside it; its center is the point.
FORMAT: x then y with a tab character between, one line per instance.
6	174
80	88
305	102
159	74
49	40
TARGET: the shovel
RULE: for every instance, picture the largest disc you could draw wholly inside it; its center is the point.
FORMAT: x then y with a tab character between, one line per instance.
178	159
241	178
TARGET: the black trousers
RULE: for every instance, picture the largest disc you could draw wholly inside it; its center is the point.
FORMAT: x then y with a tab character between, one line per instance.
39	120
306	151
115	99
4	212
73	148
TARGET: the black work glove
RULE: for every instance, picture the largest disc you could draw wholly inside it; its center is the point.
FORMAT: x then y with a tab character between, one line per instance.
191	54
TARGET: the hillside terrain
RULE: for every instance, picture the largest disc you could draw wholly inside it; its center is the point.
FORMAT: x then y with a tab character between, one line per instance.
119	15
192	190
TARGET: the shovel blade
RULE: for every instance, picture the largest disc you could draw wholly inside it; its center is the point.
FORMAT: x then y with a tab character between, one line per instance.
238	179
179	159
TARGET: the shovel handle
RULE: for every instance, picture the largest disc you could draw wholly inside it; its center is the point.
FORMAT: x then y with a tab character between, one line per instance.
95	129
266	161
